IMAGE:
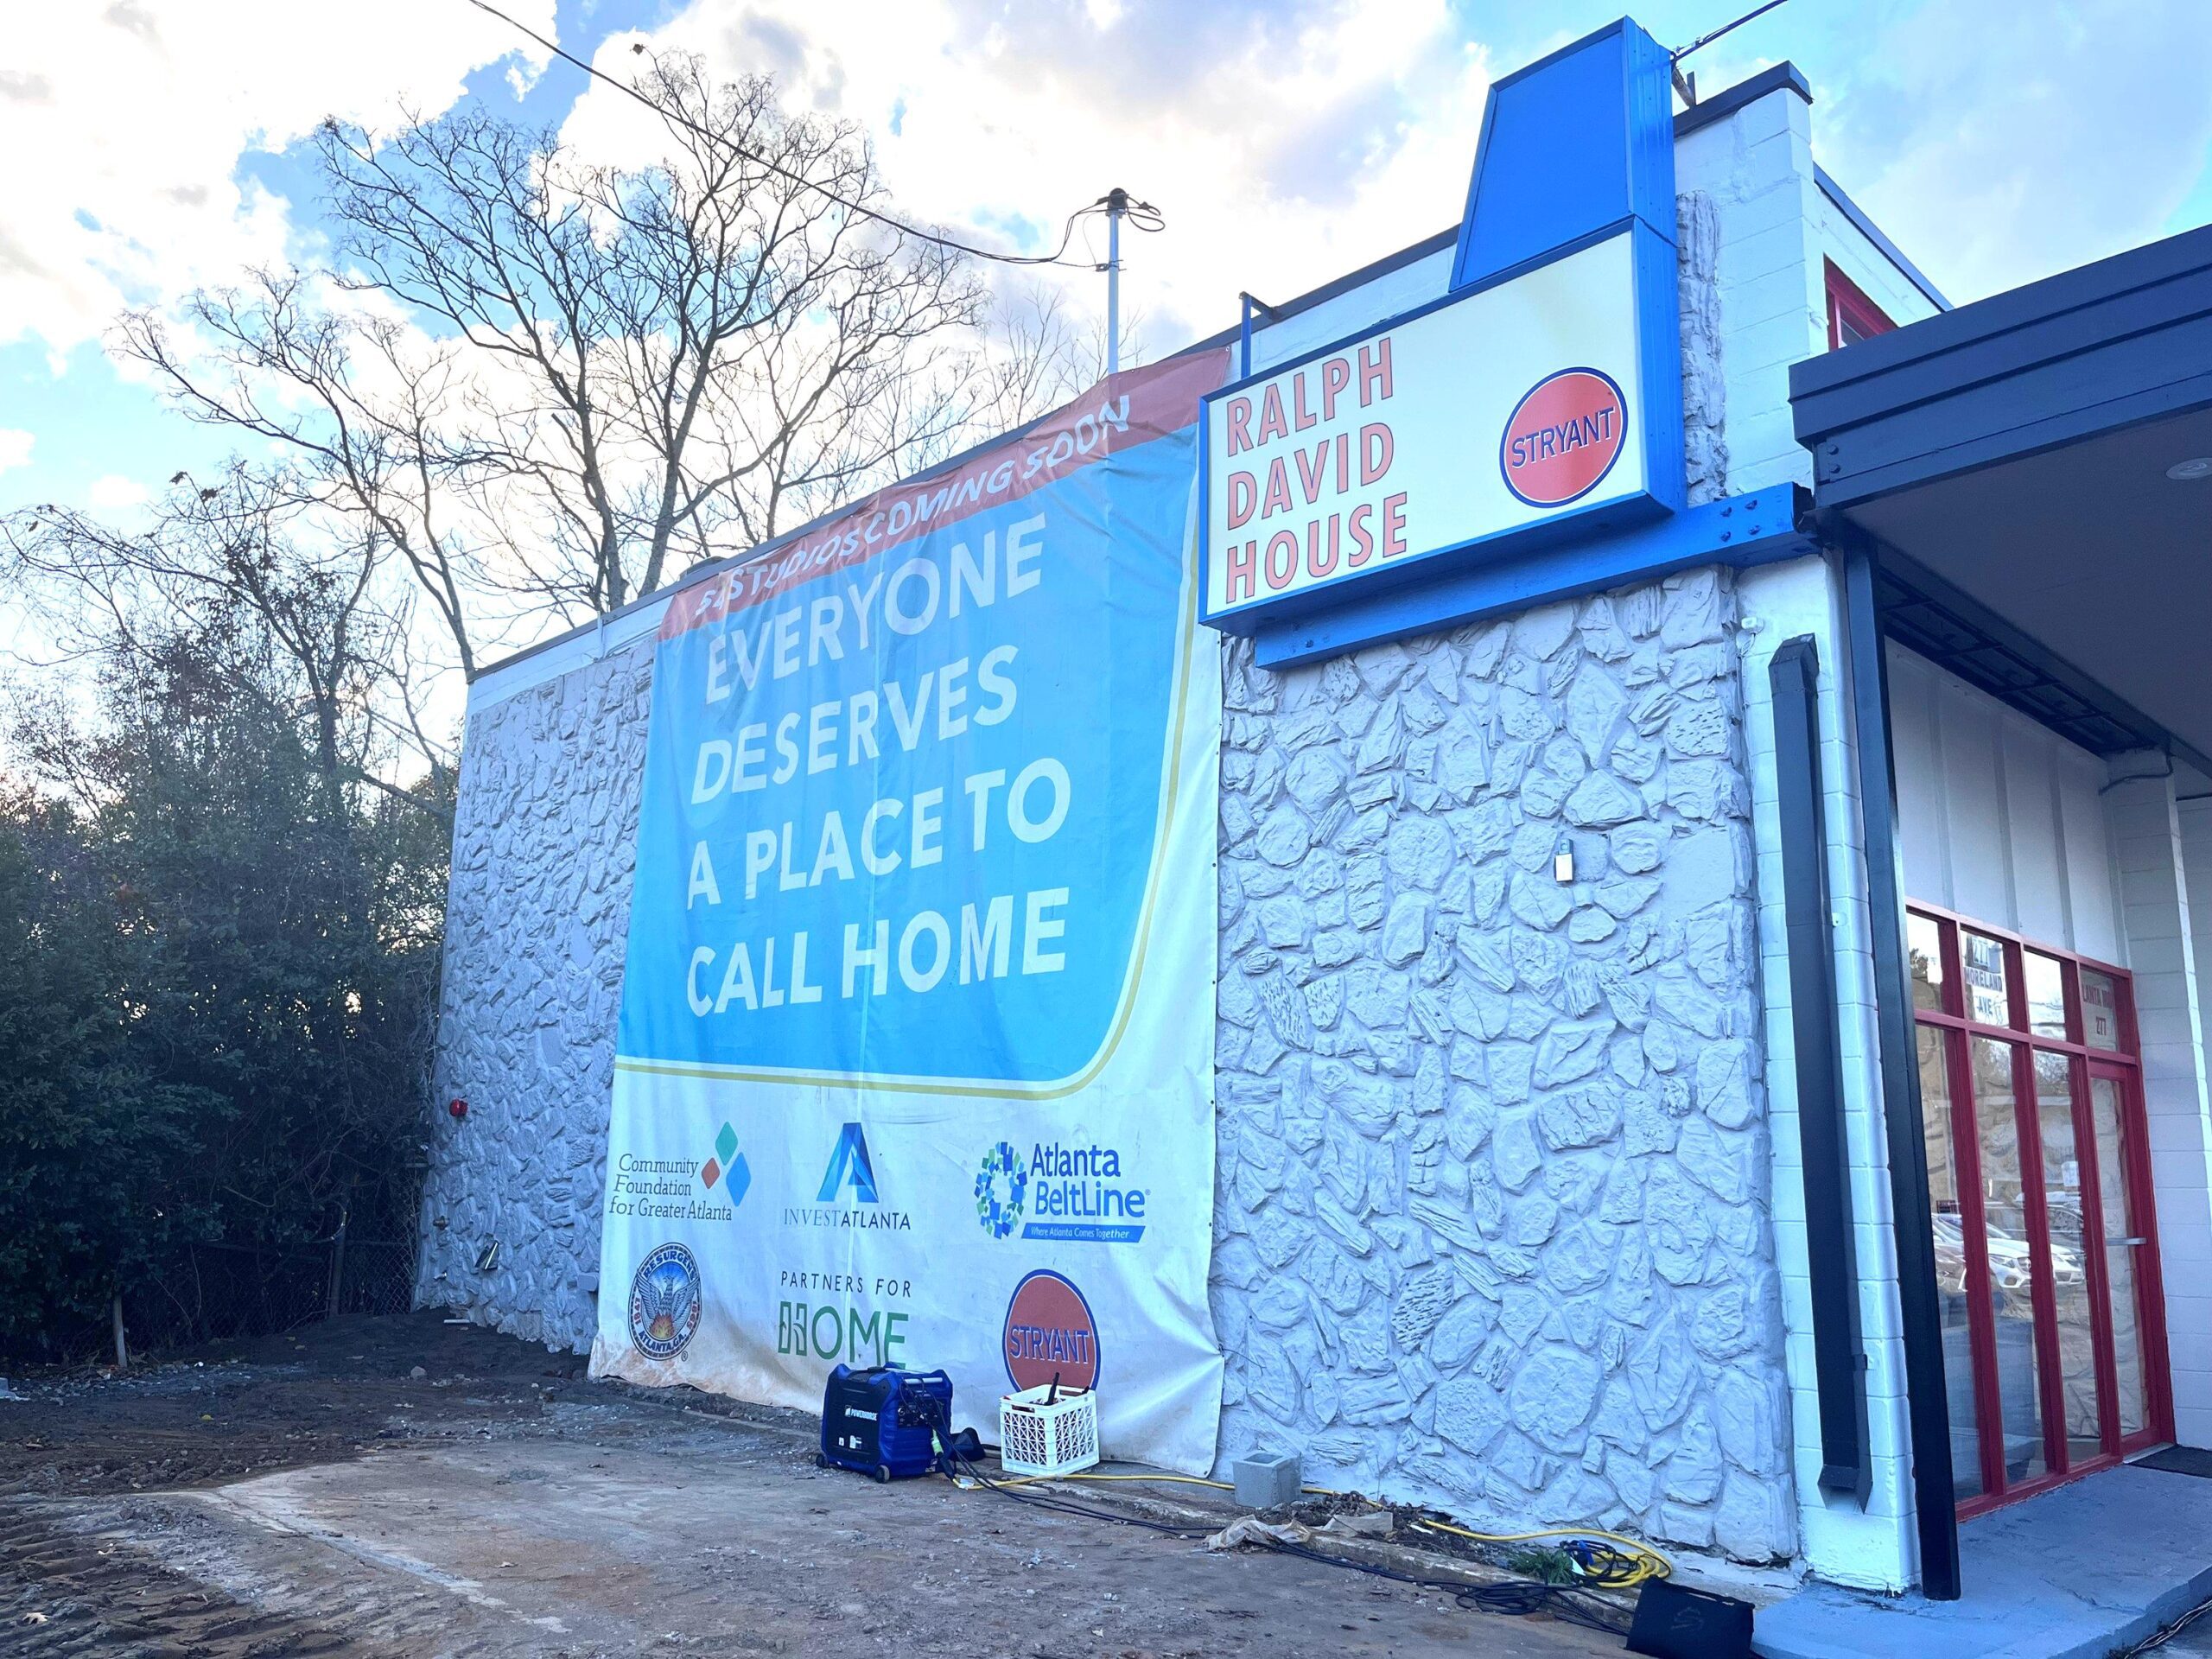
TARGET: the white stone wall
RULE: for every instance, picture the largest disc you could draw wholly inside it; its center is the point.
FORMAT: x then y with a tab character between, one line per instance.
1492	1224
537	915
1492	1229
1499	1185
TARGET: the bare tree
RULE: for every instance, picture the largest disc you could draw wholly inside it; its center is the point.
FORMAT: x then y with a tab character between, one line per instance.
367	415
538	379
227	580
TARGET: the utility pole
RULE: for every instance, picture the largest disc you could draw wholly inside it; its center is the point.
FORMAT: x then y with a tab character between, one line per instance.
1117	204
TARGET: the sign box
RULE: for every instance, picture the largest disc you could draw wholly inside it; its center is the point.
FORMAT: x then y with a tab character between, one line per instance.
1478	417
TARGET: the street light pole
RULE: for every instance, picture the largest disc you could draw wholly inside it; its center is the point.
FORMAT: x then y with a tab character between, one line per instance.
1117	204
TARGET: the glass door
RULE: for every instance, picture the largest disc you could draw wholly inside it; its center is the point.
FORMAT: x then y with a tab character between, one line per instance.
2039	1176
2129	1256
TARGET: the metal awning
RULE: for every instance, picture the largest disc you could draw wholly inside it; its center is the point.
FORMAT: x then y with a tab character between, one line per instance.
2021	468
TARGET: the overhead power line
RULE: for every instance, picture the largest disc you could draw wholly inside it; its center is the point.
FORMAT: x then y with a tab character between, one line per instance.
1151	221
1704	40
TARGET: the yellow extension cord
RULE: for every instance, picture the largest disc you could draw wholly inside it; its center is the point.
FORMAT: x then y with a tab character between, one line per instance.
1641	1563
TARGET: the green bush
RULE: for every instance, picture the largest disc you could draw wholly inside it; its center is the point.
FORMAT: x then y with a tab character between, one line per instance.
217	964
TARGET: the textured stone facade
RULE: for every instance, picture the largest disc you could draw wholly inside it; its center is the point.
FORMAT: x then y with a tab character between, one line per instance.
538	916
1491	1225
1491	1228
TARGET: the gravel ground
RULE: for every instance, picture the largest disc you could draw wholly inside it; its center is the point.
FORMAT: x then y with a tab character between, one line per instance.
408	1487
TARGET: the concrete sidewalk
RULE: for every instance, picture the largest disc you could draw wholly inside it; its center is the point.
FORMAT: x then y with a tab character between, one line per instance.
2081	1573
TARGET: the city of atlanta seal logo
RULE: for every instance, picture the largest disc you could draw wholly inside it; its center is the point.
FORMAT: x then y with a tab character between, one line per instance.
664	1302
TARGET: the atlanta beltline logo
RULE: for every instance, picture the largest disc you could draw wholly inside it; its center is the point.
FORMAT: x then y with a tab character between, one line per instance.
848	1198
682	1189
1065	1192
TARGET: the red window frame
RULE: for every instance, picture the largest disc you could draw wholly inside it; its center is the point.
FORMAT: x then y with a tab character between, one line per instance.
2125	1063
1848	304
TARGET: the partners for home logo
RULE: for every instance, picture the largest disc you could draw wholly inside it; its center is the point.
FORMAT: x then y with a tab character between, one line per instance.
1050	1334
1563	437
1001	1185
1072	1194
848	1197
665	1302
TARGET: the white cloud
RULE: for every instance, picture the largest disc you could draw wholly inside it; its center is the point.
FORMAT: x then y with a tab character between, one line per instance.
125	124
1286	144
1998	145
112	493
15	447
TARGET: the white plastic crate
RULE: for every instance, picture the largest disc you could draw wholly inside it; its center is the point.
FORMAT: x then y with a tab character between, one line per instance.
1037	1439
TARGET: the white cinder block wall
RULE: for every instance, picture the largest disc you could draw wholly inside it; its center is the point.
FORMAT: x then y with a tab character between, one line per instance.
1872	1547
2184	1194
1776	229
2162	932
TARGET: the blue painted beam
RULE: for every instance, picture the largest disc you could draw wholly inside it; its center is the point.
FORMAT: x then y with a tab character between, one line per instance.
1740	531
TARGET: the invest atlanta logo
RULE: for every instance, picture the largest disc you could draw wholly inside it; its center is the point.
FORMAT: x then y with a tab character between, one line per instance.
849	1199
1073	1194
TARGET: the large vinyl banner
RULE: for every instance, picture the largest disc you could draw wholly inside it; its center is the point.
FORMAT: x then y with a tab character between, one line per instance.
916	1062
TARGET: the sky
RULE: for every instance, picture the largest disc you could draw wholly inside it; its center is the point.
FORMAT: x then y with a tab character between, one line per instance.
158	145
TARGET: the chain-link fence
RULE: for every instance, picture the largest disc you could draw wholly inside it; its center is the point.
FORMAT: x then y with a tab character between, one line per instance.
210	1293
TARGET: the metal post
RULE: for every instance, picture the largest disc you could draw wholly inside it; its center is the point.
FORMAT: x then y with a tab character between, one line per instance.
1117	203
337	1268
1920	1312
1246	306
121	1347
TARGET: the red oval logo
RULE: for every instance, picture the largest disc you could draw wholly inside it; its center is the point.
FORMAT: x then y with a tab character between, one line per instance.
1050	1332
1563	437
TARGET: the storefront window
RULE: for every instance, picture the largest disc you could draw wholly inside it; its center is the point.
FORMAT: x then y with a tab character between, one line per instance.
1989	991
2122	1245
1949	1229
2045	983
2046	1267
2070	1259
1924	940
2100	1010
2012	1263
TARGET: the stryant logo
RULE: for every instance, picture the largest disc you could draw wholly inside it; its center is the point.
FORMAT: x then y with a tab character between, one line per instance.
1050	1334
1563	437
1070	1194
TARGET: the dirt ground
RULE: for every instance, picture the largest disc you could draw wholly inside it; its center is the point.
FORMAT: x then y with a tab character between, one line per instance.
311	1495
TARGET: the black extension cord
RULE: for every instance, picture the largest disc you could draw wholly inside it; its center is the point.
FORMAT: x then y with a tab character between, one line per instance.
1519	1599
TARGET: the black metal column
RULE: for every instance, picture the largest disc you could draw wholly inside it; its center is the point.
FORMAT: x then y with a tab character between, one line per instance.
1839	1352
1927	1406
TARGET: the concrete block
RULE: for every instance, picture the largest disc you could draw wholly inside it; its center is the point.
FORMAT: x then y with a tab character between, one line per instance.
1267	1480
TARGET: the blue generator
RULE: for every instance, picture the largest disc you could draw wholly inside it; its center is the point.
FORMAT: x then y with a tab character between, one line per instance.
883	1422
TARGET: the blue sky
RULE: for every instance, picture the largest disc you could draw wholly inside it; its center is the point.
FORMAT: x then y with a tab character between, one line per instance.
1286	142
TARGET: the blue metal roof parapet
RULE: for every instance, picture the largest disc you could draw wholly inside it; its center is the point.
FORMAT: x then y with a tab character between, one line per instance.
1573	146
1741	530
1577	147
